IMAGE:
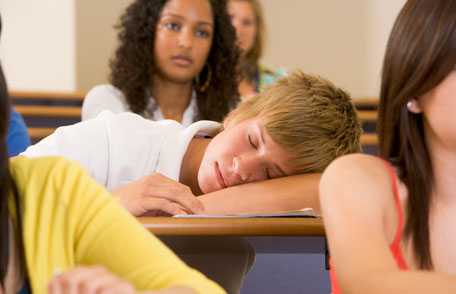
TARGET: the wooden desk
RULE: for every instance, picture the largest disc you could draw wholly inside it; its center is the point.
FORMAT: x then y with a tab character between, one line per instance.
240	227
266	235
210	244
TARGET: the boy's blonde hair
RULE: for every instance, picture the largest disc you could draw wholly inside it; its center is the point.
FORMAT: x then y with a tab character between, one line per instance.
307	115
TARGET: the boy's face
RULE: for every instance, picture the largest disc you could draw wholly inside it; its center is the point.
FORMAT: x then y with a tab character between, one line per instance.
241	154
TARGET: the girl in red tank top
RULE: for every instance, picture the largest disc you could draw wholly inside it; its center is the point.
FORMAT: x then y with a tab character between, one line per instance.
395	246
416	128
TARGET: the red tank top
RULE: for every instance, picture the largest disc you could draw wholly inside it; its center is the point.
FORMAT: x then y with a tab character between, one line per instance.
395	245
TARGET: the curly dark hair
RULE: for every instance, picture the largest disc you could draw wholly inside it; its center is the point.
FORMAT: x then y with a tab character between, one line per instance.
133	64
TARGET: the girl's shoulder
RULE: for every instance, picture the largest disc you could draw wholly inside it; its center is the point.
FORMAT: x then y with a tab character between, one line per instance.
103	97
104	90
357	176
44	179
362	192
359	163
49	184
41	171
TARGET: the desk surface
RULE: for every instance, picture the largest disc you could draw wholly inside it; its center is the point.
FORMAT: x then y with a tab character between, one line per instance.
168	226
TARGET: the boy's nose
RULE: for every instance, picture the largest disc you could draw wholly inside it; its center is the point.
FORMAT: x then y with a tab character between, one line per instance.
245	167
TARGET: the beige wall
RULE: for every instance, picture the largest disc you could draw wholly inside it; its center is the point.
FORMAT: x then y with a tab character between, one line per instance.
383	13
96	39
340	40
37	49
66	45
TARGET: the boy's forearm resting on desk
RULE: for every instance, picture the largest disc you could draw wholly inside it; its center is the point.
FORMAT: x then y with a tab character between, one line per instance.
287	193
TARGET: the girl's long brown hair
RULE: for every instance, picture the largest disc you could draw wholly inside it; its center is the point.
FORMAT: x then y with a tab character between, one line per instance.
7	189
421	52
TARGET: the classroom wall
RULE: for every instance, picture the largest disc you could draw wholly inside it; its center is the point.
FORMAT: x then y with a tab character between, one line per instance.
341	40
66	45
96	39
383	14
37	48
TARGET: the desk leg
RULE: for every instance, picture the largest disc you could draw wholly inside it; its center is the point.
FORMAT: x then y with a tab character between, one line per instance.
327	263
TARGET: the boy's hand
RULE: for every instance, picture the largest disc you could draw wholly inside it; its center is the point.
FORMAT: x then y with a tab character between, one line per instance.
88	280
158	195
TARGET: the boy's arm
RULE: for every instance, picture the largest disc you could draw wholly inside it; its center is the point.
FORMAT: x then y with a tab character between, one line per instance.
287	193
158	193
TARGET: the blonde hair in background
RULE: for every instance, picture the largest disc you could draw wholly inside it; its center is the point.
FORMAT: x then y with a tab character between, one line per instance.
310	117
249	63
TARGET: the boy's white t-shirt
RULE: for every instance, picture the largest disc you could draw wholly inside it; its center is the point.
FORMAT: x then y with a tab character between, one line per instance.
119	148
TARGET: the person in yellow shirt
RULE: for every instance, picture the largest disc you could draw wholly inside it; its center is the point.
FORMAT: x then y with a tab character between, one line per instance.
58	227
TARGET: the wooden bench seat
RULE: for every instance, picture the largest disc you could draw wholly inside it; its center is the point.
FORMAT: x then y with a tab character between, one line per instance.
37	134
367	115
75	112
73	96
49	111
366	103
369	139
45	111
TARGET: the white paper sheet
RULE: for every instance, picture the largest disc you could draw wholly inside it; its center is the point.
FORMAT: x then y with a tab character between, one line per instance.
305	212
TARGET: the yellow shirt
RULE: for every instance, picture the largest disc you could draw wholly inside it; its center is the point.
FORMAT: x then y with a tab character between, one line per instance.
70	220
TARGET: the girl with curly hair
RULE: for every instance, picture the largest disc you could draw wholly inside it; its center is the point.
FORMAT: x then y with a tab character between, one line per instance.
247	19
176	60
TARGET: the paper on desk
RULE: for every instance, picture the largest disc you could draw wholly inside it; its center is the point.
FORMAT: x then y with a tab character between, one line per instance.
305	212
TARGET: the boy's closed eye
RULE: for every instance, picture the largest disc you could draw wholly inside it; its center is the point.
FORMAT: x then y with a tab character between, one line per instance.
251	142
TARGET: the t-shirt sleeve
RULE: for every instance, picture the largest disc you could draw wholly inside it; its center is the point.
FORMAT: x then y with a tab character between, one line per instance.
18	138
103	97
85	142
106	234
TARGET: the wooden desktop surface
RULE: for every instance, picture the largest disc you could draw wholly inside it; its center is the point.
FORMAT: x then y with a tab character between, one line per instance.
168	226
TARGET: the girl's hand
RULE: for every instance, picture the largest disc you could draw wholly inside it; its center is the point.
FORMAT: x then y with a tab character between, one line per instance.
158	195
96	280
89	280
